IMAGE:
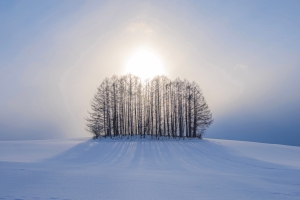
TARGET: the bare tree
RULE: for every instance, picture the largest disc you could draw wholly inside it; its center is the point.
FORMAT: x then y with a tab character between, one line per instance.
124	106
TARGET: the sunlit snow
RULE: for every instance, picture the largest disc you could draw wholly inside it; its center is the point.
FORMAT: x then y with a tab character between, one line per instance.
148	169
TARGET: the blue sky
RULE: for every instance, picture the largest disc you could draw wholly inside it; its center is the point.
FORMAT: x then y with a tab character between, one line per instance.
243	54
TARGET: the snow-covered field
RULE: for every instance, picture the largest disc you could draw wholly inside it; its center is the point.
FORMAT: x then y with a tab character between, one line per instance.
148	169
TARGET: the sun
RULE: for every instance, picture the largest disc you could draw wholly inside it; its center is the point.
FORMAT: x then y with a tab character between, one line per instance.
144	64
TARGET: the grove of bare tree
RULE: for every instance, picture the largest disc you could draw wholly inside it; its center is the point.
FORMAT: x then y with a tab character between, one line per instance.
126	106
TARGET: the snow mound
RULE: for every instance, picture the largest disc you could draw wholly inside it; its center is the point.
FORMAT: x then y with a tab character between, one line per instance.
148	169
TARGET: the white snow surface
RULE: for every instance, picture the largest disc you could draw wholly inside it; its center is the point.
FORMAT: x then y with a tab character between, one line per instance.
148	169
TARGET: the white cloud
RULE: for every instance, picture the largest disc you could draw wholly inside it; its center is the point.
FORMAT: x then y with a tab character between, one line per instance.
139	27
241	67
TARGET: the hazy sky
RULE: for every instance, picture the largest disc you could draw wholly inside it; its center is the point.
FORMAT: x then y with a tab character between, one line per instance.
245	55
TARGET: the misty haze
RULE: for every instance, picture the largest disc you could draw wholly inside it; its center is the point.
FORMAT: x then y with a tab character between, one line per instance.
149	99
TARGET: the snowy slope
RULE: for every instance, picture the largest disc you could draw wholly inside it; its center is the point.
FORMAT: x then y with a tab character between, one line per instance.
148	169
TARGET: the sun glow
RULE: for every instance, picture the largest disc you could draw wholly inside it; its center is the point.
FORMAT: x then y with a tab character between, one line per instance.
144	64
